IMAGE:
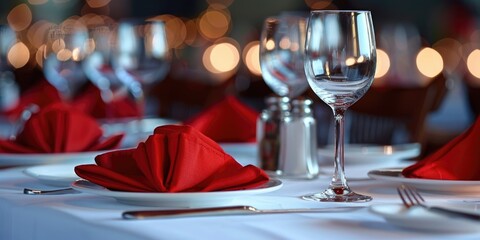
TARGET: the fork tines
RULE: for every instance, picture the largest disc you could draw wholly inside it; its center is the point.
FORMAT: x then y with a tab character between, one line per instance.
409	195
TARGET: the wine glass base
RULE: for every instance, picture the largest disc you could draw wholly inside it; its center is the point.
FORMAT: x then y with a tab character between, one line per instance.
327	197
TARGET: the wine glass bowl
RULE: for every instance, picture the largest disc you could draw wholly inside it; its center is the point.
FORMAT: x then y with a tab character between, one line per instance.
282	46
65	49
142	52
340	61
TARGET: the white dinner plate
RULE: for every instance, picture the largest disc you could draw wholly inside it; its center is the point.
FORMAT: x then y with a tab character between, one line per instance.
58	175
418	218
182	199
27	159
433	185
357	154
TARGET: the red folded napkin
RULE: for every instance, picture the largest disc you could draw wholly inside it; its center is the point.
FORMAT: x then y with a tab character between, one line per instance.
173	159
90	102
457	160
227	121
41	94
58	129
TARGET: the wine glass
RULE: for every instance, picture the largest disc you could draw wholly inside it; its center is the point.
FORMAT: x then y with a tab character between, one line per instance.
282	46
340	63
142	56
99	68
129	57
66	48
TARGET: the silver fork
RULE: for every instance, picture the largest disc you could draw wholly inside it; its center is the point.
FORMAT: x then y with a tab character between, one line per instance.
411	197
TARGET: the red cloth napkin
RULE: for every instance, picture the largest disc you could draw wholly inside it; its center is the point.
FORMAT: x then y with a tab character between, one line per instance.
457	160
227	121
59	129
88	101
41	94
173	159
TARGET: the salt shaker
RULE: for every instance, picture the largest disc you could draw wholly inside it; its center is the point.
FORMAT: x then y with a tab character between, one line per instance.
268	132
298	146
286	136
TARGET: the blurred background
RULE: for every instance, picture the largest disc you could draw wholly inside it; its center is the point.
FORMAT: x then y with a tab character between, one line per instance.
429	47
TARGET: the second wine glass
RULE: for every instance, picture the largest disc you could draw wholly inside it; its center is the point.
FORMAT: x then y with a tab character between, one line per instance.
282	46
340	65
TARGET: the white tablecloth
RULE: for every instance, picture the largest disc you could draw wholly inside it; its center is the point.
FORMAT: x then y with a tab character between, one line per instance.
85	216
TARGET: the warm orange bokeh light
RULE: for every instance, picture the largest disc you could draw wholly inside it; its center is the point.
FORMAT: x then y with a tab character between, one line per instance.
214	24
18	55
318	4
429	62
251	57
473	61
383	64
20	17
222	58
97	3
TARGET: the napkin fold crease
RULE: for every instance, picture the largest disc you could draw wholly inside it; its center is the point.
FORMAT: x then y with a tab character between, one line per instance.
174	159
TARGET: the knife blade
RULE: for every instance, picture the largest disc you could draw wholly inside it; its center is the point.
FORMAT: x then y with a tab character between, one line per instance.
228	210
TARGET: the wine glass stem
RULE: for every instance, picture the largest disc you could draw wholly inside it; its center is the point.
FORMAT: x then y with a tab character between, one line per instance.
339	181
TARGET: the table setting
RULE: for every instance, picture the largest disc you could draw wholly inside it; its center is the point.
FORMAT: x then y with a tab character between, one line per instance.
231	171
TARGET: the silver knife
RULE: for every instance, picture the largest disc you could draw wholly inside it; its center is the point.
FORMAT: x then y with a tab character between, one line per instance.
229	210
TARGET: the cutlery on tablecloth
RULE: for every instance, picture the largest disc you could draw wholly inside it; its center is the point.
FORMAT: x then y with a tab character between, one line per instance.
29	191
229	210
411	197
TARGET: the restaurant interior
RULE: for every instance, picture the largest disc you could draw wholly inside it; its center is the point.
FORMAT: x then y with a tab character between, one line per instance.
426	90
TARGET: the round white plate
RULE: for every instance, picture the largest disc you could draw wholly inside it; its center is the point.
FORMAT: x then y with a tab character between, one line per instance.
182	199
356	154
58	175
420	219
444	186
26	159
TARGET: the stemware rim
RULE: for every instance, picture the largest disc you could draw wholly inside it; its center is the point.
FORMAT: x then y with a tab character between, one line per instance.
339	11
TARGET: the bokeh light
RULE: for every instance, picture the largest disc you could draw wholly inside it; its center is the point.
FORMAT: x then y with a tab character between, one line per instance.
383	65
18	55
451	51
20	17
97	3
429	62
251	57
222	58
213	24
318	4
473	61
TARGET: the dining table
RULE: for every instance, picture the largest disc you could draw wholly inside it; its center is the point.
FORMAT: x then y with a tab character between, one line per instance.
83	215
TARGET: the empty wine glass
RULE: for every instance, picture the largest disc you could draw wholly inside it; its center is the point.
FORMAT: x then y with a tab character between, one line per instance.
340	65
98	66
66	48
142	56
127	58
282	46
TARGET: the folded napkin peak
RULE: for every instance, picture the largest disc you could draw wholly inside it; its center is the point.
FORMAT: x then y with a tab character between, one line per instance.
229	120
459	159
58	128
176	158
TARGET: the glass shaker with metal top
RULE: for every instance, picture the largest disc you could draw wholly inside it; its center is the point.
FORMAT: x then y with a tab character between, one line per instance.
286	136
